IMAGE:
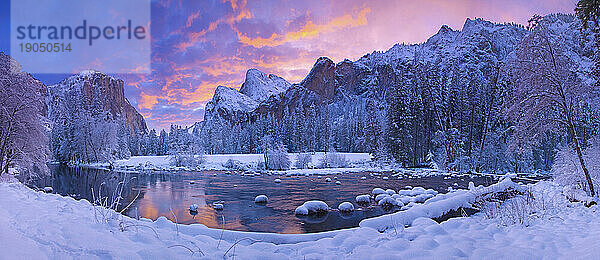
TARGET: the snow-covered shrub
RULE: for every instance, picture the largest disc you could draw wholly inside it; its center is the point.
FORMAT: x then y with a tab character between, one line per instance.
278	158
234	165
517	210
303	160
333	159
186	160
567	169
431	163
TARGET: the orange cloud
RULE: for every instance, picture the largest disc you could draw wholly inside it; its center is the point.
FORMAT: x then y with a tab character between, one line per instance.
195	37
309	30
147	101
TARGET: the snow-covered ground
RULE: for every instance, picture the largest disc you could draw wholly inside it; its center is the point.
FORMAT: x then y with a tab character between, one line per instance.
36	225
356	162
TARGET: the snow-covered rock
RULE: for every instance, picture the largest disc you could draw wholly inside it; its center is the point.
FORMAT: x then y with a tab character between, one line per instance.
48	189
259	87
377	191
346	206
328	179
218	206
388	201
312	207
363	199
338	182
261	199
277	180
194	207
381	196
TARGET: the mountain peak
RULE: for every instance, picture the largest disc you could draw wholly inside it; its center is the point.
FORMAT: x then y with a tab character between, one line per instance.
259	87
321	78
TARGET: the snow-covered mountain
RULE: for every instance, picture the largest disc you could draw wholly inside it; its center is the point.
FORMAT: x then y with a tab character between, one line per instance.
96	93
237	106
92	121
475	49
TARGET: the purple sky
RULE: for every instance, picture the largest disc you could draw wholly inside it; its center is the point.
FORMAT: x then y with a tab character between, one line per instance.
198	45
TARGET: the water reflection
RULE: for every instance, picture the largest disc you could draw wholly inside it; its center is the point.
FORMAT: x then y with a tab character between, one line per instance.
159	194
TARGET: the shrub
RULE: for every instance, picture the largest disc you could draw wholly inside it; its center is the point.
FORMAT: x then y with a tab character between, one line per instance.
567	169
333	159
278	158
186	160
303	160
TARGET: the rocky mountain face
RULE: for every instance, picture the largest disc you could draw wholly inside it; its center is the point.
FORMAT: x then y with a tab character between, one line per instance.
474	50
96	92
238	106
92	121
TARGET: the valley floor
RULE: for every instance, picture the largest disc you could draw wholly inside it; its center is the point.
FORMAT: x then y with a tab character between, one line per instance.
356	162
36	225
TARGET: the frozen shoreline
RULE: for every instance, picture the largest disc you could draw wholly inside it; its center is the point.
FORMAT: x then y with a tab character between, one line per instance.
39	225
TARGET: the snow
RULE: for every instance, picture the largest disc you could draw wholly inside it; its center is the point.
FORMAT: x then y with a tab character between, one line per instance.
48	189
377	191
437	206
363	199
64	228
388	201
261	199
312	207
381	196
246	161
346	206
218	206
277	181
338	183
328	179
194	207
260	87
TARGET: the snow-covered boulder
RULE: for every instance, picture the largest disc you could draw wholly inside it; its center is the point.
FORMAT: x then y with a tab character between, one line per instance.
328	179
338	183
261	199
48	189
388	202
390	192
346	207
312	207
277	180
218	206
363	199
194	207
378	191
363	178
417	191
381	196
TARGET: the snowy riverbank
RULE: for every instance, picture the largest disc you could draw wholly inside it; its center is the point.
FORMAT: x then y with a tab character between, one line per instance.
240	162
48	226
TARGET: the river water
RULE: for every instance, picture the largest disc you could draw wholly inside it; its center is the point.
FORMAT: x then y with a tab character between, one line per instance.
161	193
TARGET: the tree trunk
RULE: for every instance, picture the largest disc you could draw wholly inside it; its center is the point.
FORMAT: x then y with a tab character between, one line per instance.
577	149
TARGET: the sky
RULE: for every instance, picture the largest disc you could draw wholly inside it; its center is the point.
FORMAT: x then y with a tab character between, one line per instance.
199	45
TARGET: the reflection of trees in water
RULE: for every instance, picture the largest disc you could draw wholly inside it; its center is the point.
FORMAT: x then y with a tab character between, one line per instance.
78	182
